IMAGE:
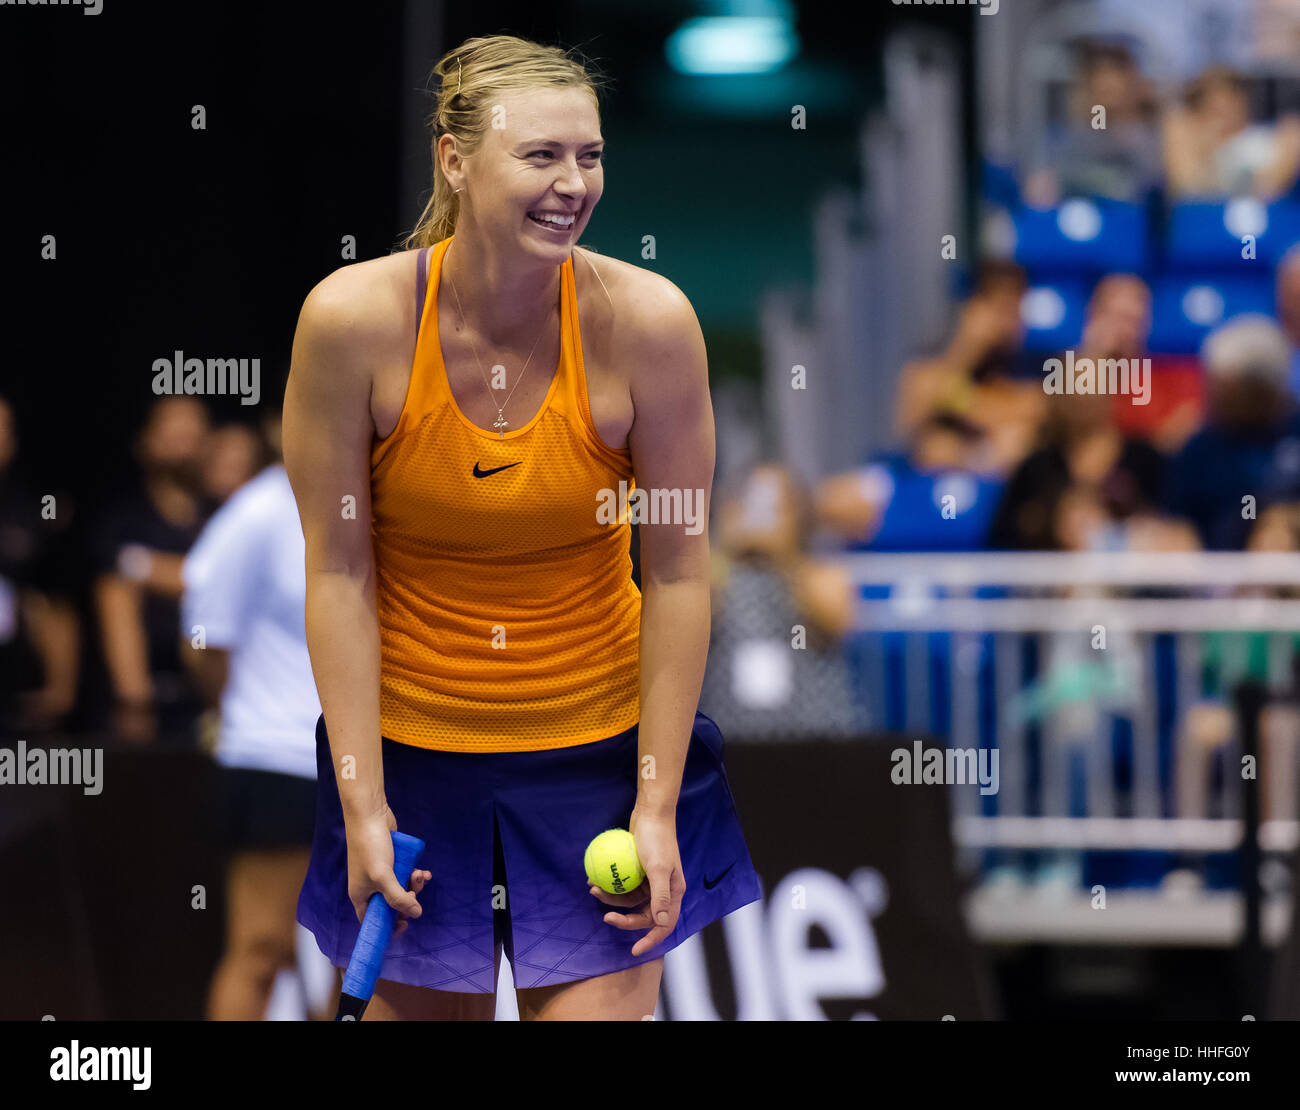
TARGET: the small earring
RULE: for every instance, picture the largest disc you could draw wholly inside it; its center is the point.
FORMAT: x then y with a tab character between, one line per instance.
458	190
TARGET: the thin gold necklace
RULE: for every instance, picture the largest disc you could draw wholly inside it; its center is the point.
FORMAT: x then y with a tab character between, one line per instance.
500	423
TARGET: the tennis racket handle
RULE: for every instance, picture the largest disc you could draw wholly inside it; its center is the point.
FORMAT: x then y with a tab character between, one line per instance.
377	926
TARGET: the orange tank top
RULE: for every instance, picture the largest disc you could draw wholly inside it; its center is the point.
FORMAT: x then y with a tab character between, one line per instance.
508	618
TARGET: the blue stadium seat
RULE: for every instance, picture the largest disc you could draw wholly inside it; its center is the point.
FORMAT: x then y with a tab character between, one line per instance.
1052	312
1211	236
998	184
1284	230
916	516
1185	309
1092	236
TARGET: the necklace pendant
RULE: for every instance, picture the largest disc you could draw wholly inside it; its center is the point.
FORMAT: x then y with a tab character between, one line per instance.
501	424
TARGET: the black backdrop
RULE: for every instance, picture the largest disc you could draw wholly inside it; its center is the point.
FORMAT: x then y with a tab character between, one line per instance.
166	235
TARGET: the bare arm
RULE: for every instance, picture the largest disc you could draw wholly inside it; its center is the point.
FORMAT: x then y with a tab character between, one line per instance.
672	448
845	505
1276	179
920	385
165	574
54	632
824	595
327	436
1184	154
120	607
328	431
154	571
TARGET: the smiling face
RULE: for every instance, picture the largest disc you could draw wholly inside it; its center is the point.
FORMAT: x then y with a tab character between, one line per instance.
1120	314
533	182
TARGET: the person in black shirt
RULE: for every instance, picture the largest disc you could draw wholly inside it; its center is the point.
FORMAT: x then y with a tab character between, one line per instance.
1083	458
1083	451
1248	453
137	549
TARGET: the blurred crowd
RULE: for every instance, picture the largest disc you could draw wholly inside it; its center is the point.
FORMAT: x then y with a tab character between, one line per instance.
1200	145
1209	462
90	594
1029	470
987	459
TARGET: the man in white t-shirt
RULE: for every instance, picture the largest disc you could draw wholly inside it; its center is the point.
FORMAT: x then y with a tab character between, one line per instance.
242	617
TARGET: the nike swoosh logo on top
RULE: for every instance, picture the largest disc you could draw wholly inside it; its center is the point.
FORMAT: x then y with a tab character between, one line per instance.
495	470
709	884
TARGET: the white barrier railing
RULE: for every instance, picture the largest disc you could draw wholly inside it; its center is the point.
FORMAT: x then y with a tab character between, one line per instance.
1169	804
1208	569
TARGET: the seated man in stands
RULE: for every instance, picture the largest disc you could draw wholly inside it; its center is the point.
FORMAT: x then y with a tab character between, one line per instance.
933	498
1250	446
1116	155
971	378
1090	483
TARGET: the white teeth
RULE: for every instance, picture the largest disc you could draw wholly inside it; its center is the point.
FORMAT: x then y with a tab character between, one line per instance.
546	217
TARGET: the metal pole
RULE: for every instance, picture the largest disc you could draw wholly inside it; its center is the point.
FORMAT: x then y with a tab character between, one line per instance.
1251	697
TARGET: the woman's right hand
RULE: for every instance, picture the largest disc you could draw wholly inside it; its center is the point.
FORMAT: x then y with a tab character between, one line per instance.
370	867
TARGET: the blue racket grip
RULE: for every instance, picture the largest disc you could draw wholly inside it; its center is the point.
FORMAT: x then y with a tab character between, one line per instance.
377	926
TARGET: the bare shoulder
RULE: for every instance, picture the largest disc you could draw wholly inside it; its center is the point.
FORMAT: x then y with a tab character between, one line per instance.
640	315
363	308
639	296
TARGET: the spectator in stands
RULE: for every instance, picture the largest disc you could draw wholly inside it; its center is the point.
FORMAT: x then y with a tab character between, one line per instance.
138	547
1119	318
233	455
39	629
1288	309
1118	325
934	498
776	665
1250	447
1085	470
1213	151
972	378
1113	155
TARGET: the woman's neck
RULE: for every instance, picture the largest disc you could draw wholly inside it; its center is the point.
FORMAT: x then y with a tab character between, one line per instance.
503	300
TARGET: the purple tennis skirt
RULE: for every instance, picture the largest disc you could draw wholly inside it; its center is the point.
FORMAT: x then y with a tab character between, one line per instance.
522	820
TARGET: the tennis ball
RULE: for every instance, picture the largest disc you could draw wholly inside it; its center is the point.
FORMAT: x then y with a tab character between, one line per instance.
611	862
